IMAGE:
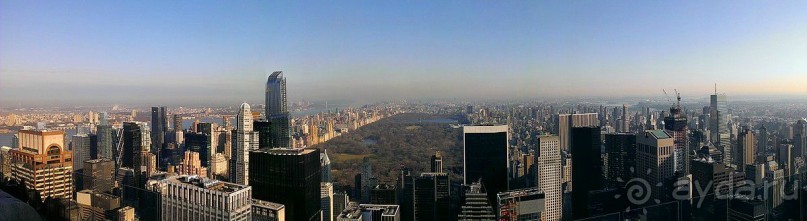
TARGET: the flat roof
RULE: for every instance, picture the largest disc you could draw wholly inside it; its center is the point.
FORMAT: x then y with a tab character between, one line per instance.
485	129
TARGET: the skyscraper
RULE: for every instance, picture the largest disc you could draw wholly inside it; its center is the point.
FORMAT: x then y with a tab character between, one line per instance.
105	137
326	201
746	146
43	163
624	125
655	150
586	168
432	197
549	177
290	177
159	126
276	110
620	150
194	198
437	163
567	121
325	162
99	175
475	205
718	126
486	155
676	125
242	144
80	145
200	143
800	138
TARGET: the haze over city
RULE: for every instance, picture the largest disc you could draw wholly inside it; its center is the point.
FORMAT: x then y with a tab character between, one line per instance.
97	52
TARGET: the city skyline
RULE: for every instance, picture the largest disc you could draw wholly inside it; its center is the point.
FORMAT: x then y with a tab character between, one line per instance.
133	53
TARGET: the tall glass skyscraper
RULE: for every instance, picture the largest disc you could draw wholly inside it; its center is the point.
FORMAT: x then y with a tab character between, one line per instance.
277	110
718	126
159	126
242	144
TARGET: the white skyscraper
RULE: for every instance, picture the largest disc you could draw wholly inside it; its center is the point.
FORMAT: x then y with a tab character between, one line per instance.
549	177
326	201
242	144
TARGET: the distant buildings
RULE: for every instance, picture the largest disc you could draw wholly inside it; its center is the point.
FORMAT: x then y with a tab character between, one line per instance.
719	126
43	163
159	127
486	158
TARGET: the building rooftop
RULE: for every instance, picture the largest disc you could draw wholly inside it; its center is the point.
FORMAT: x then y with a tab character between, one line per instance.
659	134
285	151
205	183
267	204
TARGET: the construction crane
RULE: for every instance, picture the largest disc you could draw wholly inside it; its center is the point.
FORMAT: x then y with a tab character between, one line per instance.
667	96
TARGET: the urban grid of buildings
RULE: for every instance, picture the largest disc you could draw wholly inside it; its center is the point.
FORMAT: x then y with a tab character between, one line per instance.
519	162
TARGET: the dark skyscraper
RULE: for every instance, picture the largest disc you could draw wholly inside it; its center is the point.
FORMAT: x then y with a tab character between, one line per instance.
620	150
276	110
486	158
290	177
676	125
200	143
586	168
432	197
132	149
264	129
159	126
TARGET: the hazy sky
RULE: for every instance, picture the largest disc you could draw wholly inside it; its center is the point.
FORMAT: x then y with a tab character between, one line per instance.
166	52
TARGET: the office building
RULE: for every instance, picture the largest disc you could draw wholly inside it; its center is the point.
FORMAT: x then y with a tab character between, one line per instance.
242	143
549	177
191	165
654	153
43	163
800	138
264	129
326	201
567	121
383	194
159	126
99	175
267	211
624	125
105	142
437	163
520	205
276	110
744	209
719	126
432	197
746	146
620	150
340	201
676	125
486	157
586	167
475	204
195	198
290	177
368	180
325	163
80	146
718	180
200	143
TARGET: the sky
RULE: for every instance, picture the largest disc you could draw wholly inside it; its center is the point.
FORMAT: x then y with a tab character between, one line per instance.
220	52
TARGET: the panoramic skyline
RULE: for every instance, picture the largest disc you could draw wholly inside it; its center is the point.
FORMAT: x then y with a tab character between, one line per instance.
97	52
